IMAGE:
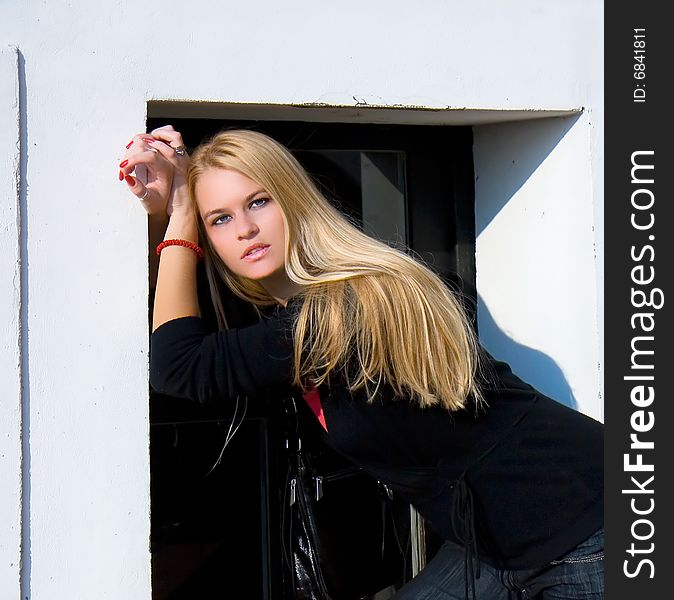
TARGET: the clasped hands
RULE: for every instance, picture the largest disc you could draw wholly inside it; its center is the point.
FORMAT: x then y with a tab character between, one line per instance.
161	154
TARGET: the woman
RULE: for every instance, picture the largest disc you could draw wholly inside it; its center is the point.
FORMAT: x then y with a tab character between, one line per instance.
511	479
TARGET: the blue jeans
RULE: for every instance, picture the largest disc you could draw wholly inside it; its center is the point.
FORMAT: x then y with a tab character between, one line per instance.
577	575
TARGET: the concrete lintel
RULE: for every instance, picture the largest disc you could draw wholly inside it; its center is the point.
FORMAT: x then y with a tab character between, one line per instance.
359	113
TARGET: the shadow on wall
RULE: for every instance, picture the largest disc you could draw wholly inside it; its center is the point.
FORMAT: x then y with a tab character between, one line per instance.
533	366
513	152
510	153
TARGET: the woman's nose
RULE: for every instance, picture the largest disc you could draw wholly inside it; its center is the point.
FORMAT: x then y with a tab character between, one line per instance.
246	228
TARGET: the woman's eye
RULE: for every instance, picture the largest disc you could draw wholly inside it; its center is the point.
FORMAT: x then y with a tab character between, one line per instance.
221	219
258	202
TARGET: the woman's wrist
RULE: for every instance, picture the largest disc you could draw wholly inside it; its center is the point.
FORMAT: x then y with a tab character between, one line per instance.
182	225
176	294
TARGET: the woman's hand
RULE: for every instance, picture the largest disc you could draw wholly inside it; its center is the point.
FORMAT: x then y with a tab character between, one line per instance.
161	160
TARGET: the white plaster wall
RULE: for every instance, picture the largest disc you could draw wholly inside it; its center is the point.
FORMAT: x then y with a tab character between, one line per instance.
536	271
539	207
10	341
89	70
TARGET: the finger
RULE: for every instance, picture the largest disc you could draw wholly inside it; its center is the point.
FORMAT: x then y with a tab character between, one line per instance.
164	128
169	135
145	157
138	143
167	151
136	187
139	138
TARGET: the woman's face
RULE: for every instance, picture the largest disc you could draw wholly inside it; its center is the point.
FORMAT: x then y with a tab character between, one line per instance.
244	225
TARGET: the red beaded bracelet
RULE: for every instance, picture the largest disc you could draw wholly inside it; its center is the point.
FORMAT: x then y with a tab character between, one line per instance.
184	243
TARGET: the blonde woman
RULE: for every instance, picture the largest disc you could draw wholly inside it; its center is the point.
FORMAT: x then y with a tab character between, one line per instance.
511	479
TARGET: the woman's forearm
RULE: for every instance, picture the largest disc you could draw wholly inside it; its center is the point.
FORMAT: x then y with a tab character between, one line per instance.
176	291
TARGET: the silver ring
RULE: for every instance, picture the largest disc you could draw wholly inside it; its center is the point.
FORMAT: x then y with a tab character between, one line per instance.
144	196
180	150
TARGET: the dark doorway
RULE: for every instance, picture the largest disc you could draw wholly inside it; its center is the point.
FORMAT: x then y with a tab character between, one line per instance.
411	186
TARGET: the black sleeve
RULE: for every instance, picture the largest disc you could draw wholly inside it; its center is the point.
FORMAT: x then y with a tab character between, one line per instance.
189	362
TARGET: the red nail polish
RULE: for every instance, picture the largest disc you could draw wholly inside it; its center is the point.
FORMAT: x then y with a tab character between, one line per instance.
149	139
123	164
130	180
121	176
129	144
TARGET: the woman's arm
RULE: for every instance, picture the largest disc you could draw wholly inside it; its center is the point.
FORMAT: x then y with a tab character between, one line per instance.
187	361
165	197
176	292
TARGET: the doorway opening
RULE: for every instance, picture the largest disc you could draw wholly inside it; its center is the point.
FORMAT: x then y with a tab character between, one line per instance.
411	186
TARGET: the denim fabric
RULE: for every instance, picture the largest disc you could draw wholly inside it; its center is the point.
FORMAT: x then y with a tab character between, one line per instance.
577	575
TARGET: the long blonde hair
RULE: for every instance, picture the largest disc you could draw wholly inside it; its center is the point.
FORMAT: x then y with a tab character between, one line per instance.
370	313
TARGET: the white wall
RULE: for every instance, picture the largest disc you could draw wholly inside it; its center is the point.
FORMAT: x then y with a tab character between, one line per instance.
10	327
91	67
536	270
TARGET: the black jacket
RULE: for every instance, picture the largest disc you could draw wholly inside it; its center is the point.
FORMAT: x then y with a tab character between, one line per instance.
520	482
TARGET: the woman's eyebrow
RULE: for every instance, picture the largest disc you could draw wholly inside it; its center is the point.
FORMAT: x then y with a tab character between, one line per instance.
246	199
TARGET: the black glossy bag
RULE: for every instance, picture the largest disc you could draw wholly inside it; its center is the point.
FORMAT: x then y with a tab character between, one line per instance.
342	538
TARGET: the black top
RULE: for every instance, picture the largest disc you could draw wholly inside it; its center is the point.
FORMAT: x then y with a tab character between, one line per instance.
526	472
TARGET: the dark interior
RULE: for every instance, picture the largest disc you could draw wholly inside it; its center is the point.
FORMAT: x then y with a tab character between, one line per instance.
216	528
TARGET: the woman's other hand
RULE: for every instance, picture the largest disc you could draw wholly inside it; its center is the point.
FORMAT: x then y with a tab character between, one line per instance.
162	156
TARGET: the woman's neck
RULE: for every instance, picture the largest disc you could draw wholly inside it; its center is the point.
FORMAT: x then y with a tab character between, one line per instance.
281	287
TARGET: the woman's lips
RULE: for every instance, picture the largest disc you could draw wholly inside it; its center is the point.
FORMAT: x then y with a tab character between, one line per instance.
256	253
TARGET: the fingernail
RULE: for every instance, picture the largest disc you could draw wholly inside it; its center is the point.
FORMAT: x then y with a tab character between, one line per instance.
148	140
121	176
130	180
123	164
129	144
